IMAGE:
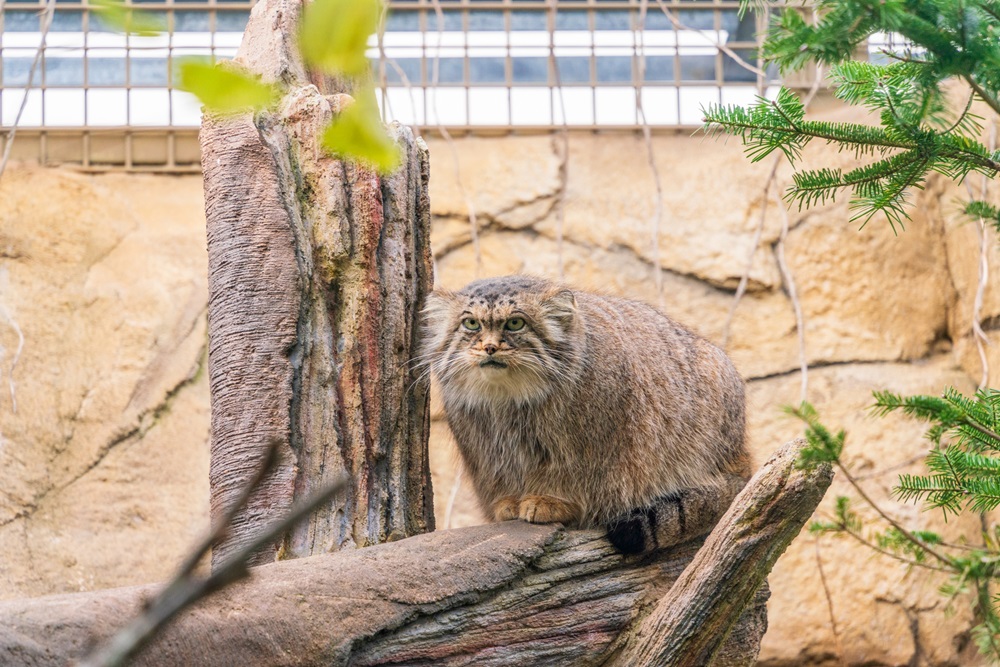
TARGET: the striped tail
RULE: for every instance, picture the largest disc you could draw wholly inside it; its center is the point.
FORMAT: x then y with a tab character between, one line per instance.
674	518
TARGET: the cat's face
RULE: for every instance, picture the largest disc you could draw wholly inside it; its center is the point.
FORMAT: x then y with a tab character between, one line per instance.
500	339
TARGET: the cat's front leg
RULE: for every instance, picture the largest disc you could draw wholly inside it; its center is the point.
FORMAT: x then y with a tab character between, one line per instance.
548	509
507	508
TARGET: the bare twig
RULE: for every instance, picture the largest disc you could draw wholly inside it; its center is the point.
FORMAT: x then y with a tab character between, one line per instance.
450	507
885	552
222	525
741	288
910	537
640	53
400	72
17	355
383	61
50	9
885	471
985	96
562	150
786	275
779	251
793	296
977	308
982	340
563	136
435	77
717	44
184	589
829	605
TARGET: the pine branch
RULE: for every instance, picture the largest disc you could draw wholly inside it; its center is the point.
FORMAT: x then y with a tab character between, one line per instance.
983	210
810	187
991	100
953	413
890	198
851	525
826	447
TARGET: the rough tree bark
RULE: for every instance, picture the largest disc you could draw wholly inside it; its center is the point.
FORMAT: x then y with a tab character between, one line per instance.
503	594
316	271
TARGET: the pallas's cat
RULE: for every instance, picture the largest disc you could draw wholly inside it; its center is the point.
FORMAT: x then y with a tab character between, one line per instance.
589	410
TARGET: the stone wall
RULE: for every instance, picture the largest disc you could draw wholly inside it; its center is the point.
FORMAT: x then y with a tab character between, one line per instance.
103	467
104	464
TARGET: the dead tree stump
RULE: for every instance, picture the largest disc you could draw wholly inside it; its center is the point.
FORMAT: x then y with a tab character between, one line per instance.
317	269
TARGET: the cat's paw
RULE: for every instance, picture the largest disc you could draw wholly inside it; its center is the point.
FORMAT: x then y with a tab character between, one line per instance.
507	508
548	509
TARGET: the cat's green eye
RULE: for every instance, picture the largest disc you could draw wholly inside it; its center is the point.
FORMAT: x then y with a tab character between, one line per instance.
471	323
514	324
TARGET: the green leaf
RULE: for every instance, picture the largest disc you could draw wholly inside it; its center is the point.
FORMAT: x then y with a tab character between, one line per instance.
225	89
357	133
117	16
333	34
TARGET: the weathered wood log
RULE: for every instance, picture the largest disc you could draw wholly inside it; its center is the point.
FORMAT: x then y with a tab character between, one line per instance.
502	594
317	270
703	605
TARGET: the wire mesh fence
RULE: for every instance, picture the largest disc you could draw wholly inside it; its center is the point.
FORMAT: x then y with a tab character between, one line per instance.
101	99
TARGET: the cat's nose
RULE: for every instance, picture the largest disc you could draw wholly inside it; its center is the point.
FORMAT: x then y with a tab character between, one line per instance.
490	348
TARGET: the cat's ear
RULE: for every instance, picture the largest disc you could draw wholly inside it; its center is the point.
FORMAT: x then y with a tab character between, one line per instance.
439	304
561	305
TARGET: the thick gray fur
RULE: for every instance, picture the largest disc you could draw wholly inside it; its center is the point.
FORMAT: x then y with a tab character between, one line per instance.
634	421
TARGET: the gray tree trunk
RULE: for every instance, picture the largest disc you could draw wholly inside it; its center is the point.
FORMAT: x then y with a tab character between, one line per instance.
506	594
317	271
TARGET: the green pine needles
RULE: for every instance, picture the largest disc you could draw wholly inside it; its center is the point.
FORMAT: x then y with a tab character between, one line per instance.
964	466
918	132
963	474
919	127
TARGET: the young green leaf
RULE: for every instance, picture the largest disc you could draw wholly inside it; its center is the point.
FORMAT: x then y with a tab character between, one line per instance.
357	133
115	15
226	89
333	34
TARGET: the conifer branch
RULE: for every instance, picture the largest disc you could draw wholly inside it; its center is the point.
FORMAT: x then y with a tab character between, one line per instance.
991	100
947	561
826	447
902	559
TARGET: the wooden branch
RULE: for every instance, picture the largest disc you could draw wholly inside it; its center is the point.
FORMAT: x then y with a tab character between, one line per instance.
317	271
501	594
687	625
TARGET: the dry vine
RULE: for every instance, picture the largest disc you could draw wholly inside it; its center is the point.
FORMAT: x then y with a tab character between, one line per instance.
638	47
829	605
47	17
789	281
50	10
779	249
435	77
982	340
563	149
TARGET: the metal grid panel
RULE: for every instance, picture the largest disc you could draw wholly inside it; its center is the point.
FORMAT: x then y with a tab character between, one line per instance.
514	64
463	65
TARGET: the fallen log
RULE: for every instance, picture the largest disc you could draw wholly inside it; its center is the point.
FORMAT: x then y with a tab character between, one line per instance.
500	594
